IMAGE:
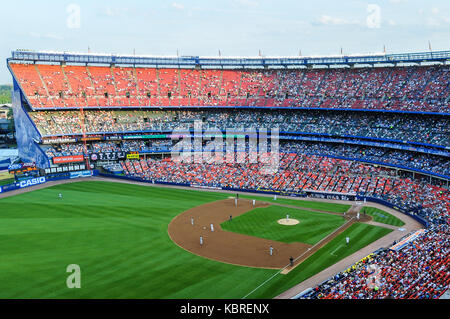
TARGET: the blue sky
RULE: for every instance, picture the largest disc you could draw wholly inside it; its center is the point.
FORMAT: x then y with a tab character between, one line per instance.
235	27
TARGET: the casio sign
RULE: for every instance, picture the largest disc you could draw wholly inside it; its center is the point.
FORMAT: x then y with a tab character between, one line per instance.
31	182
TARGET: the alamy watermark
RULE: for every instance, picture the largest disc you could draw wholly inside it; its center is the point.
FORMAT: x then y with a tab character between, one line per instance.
74	279
235	146
73	20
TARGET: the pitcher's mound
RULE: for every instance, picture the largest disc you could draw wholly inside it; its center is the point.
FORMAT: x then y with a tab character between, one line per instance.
288	222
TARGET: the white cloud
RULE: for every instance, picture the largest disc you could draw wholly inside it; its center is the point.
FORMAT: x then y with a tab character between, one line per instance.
177	6
112	12
432	22
246	3
328	20
392	23
398	1
437	18
51	36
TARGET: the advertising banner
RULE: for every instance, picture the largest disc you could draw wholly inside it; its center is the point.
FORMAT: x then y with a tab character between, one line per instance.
398	246
80	174
14	167
31	182
68	159
59	141
134	137
133	155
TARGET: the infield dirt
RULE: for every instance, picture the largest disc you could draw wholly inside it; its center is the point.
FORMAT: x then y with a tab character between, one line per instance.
225	246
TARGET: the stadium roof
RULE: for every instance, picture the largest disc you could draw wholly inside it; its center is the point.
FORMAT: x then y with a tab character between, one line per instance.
219	61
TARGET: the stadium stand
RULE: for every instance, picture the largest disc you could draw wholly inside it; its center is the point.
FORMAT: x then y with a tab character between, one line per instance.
402	88
331	142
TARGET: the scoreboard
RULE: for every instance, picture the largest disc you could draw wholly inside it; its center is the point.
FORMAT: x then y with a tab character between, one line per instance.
108	156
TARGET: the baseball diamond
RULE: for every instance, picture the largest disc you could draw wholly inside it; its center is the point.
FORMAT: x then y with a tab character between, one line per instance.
192	176
161	233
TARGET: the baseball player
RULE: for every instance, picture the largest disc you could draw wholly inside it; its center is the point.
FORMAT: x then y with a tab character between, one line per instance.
192	221
201	240
212	227
271	251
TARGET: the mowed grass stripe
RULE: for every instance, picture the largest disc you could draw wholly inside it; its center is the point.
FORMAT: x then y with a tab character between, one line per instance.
263	223
117	233
360	236
130	257
381	216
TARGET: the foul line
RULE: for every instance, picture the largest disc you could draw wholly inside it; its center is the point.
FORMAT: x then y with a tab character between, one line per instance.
277	273
332	253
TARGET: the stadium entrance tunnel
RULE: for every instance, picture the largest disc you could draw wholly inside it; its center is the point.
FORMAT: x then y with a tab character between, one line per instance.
192	231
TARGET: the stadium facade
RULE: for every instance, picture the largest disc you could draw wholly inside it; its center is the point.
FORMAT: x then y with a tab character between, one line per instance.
36	90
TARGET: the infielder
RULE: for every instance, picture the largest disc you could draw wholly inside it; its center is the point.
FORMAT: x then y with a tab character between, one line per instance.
271	250
212	227
201	240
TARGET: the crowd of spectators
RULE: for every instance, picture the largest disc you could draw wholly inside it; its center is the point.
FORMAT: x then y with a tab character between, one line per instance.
390	157
411	88
416	160
400	127
419	270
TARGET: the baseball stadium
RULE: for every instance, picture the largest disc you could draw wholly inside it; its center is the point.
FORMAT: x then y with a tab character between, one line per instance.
151	175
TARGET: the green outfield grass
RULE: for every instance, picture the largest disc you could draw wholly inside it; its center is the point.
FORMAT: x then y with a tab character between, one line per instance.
360	236
6	181
329	207
117	234
262	222
381	216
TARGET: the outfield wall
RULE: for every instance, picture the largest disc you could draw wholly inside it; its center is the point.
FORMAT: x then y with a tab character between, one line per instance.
44	179
306	194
